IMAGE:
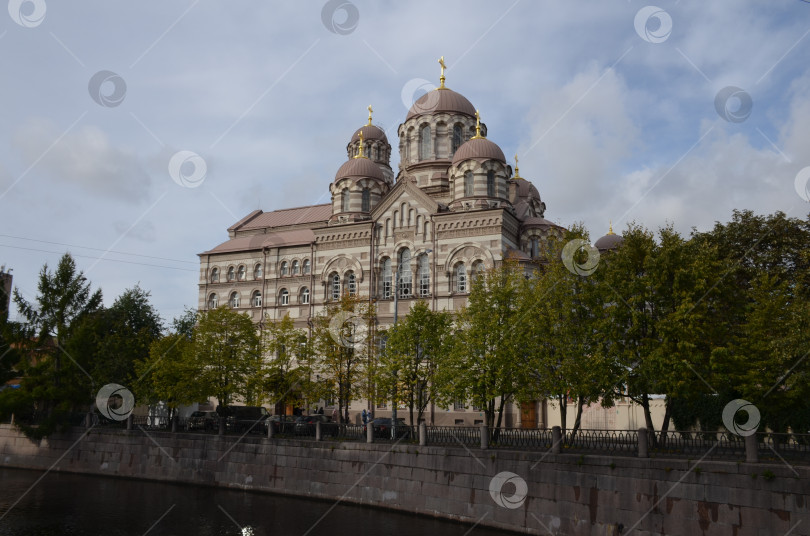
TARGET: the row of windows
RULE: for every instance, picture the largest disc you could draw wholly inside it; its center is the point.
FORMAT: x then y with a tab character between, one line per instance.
240	273
426	144
469	184
365	203
234	300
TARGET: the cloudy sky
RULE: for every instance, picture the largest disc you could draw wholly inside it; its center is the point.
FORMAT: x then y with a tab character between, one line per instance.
618	110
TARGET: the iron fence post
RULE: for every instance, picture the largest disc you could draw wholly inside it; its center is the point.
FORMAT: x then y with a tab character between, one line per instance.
484	437
422	434
221	426
751	449
556	439
369	433
317	430
271	428
643	443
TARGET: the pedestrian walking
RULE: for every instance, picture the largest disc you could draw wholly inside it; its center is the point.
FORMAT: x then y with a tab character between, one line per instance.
334	414
365	416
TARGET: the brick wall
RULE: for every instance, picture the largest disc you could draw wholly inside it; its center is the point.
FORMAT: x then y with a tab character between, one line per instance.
566	494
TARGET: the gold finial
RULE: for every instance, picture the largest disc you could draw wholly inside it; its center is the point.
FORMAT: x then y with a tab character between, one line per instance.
369	114
477	126
441	78
610	229
517	169
360	154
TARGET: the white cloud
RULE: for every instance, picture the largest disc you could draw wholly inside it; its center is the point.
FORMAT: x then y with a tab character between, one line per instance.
83	158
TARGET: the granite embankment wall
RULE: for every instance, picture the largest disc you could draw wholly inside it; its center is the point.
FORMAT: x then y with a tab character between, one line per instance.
566	494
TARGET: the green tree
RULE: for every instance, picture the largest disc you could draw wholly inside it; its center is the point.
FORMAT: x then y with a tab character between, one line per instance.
487	353
288	369
343	348
225	353
416	348
55	383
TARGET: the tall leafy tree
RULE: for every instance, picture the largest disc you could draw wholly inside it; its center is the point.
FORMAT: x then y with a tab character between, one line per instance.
225	352
54	383
487	354
343	350
288	370
416	350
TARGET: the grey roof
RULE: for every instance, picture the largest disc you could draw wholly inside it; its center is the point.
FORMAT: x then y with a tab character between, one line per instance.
271	240
441	100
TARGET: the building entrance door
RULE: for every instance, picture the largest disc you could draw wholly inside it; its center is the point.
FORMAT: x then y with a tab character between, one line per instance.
528	414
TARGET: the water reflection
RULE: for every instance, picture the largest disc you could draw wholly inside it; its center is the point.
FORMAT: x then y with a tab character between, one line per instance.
64	504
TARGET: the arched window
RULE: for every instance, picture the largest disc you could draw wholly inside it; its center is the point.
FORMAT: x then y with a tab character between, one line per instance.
284	297
366	200
490	183
258	272
240	274
424	143
405	283
304	296
461	278
285	268
213	301
234	301
456	138
306	267
296	268
477	270
215	275
535	247
334	281
386	279
256	299
468	184
351	283
231	273
344	200
423	275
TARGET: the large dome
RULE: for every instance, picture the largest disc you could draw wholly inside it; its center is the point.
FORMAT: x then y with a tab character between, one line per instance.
479	148
370	132
359	167
441	100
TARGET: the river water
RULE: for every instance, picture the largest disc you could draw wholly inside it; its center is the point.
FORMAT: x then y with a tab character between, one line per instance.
63	504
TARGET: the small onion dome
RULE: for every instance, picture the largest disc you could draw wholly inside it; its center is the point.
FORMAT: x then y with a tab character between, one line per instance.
610	241
370	132
526	189
359	168
478	149
441	100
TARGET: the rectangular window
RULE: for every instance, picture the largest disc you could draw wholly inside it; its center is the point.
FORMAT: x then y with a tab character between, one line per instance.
458	405
387	287
382	405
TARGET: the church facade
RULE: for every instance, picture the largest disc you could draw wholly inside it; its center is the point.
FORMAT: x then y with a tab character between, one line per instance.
455	207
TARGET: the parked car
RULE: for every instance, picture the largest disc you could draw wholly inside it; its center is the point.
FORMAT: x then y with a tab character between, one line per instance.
382	428
305	425
282	424
241	419
203	420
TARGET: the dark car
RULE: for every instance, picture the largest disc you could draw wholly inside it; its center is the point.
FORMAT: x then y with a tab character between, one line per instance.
382	428
203	420
305	425
282	424
242	419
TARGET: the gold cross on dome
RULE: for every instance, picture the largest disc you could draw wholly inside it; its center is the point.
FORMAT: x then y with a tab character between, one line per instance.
441	78
370	110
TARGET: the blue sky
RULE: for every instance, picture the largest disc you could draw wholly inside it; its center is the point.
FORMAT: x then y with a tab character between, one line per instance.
612	120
